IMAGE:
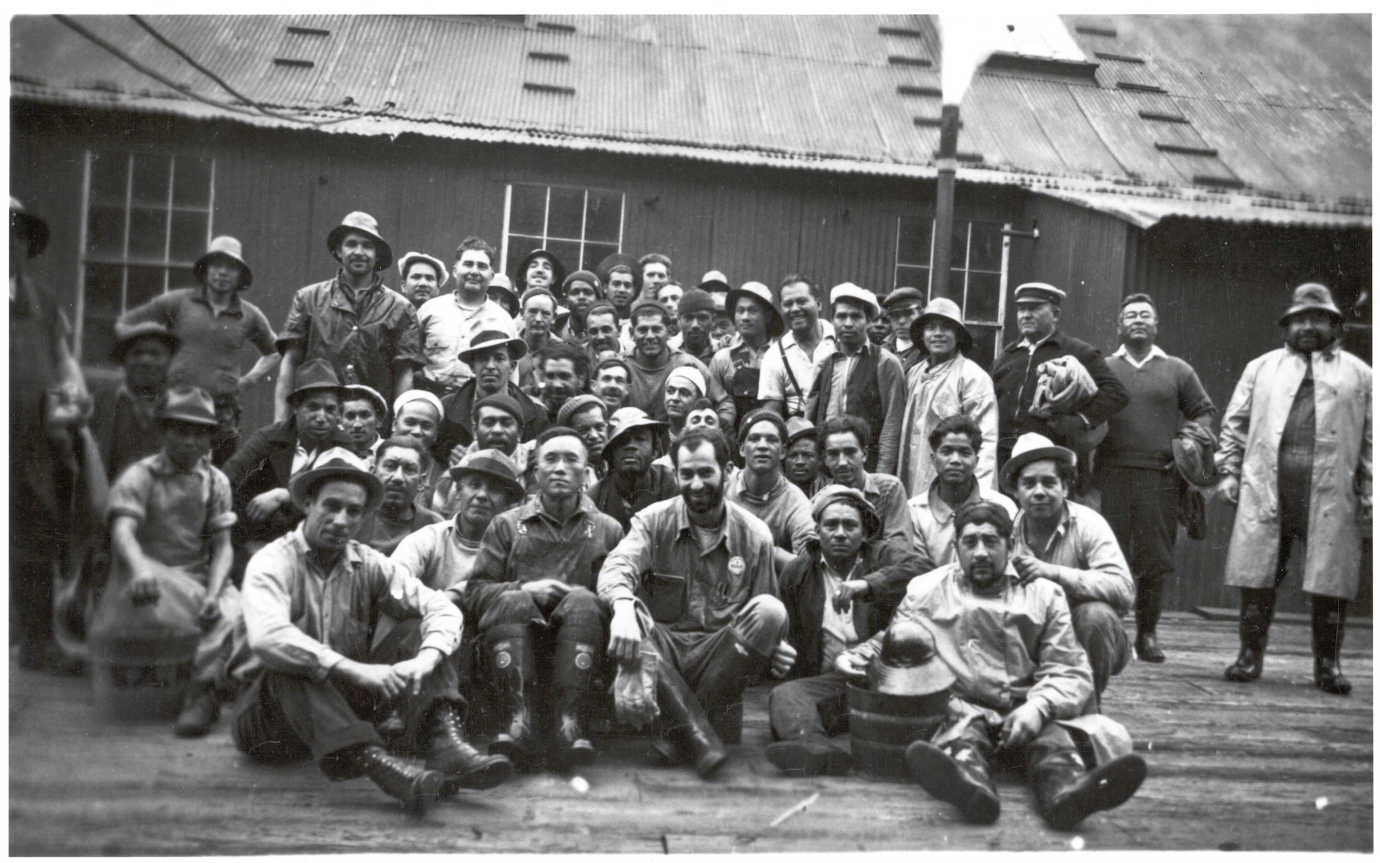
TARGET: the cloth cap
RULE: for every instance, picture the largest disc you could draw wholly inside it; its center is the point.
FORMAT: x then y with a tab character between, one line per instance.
315	374
411	396
714	278
1193	447
625	420
366	224
1033	447
35	229
797	428
756	416
577	404
776	325
503	402
491	463
226	247
582	276
695	300
909	663
1308	297
357	391
900	294
127	334
188	404
689	374
944	309
647	303
557	268
335	463
1039	292
408	258
850	291
835	493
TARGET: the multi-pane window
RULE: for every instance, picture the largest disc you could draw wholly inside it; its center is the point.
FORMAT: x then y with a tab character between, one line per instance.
977	274
579	226
148	218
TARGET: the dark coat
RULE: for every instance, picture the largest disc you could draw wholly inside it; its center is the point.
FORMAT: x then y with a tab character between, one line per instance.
457	422
660	484
264	463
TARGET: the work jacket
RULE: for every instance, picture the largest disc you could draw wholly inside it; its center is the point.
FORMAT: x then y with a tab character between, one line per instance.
1015	375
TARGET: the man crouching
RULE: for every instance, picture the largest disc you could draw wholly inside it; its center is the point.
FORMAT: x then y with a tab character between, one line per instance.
1021	682
310	600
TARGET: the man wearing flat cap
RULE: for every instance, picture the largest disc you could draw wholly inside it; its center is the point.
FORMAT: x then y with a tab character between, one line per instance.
367	331
801	460
363	412
447	322
736	369
1295	460
579	291
1017	371
122	412
900	308
695	321
652	359
423	277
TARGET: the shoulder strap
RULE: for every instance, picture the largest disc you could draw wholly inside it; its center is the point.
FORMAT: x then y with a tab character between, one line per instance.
789	373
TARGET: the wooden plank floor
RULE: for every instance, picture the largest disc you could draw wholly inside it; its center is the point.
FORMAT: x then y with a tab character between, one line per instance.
1276	765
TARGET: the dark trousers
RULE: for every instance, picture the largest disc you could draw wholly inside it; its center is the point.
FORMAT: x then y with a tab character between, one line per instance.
31	596
1053	743
285	717
758	628
579	615
1098	629
798	708
1142	507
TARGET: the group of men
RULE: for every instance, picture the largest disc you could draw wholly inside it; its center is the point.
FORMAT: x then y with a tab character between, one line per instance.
505	494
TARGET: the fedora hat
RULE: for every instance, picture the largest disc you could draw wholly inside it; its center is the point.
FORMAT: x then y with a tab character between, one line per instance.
362	223
625	420
835	493
944	309
489	332
335	463
226	247
493	464
373	396
1041	292
848	291
407	259
799	427
557	268
1033	447
188	404
315	374
909	663
127	334
776	325
1311	296
35	229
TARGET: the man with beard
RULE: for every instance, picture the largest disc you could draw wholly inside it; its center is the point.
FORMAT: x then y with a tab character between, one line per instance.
491	353
736	369
122	416
1296	462
838	592
498	424
316	683
760	488
695	319
842	441
1135	462
367	331
423	277
1071	545
540	269
652	361
611	381
900	308
954	446
859	379
587	416
260	469
632	481
580	291
694	578
563	370
362	412
448	321
538	315
944	382
788	369
537	565
1020	683
401	465
801	461
654	270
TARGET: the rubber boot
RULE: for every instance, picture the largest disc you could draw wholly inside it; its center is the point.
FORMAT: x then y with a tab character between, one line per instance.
685	724
200	709
416	787
513	668
574	665
1149	592
1257	610
727	672
1066	793
811	755
1329	625
448	753
956	773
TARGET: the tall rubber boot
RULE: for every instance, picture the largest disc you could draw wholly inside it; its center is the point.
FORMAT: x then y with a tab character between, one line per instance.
513	670
685	723
730	670
1149	594
1257	611
573	676
1329	625
448	753
956	773
416	787
1066	793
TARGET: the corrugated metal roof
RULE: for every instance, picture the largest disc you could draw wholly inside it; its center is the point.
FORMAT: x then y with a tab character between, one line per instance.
1283	100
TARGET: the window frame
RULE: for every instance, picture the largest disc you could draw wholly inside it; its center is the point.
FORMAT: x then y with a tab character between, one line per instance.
546	237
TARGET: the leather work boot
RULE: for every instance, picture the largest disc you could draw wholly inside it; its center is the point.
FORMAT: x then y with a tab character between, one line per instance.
1148	648
463	766
1257	609
810	755
513	668
731	669
574	672
200	709
685	722
1329	623
1148	598
416	787
1065	793
956	774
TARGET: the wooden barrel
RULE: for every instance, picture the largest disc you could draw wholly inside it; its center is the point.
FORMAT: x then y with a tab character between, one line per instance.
141	673
881	726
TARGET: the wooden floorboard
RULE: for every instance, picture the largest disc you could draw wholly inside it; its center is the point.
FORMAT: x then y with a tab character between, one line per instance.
1275	765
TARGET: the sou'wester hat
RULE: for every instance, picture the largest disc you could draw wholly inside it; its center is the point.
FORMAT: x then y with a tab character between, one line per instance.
944	309
362	223
909	663
225	247
1311	296
776	325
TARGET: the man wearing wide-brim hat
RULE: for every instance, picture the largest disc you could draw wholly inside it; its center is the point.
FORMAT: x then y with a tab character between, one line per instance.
123	411
900	308
1295	458
1017	370
367	331
633	481
944	382
838	593
423	277
736	369
492	352
315	683
539	268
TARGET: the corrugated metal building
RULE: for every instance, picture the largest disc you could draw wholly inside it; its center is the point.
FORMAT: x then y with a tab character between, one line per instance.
1212	161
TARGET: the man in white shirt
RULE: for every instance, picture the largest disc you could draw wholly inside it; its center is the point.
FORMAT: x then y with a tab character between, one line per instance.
447	321
788	366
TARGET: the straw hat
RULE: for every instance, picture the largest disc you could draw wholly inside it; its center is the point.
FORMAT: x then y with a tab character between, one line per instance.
1033	447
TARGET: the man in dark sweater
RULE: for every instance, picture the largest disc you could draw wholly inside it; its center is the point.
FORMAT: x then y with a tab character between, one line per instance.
1135	462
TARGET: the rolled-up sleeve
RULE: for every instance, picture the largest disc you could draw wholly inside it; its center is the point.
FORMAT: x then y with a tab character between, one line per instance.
621	574
129	495
267	601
